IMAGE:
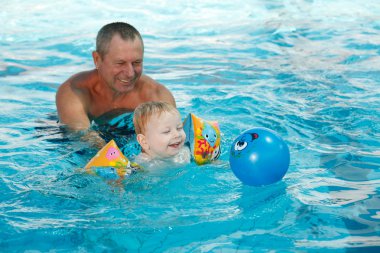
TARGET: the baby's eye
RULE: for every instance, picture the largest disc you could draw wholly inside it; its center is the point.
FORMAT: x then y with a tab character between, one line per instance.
179	128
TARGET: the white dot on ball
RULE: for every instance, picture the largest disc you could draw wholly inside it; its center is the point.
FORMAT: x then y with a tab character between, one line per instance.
268	139
253	157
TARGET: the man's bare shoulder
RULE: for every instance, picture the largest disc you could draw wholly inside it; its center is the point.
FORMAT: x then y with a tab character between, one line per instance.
149	83
153	90
72	101
78	84
82	80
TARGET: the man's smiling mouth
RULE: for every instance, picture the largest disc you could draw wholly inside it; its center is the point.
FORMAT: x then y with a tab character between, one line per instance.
124	81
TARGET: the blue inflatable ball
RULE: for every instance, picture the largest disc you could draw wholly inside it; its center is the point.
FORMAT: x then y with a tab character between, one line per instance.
259	156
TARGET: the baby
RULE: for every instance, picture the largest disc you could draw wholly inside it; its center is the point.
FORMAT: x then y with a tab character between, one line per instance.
159	131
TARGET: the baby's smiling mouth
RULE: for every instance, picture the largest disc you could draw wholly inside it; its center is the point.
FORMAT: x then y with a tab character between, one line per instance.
175	145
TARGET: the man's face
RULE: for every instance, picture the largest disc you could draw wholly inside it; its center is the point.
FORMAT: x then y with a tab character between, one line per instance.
122	65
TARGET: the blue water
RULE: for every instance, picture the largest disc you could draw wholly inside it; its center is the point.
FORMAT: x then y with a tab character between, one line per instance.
308	70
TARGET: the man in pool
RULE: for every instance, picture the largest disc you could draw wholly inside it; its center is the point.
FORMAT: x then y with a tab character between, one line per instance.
117	82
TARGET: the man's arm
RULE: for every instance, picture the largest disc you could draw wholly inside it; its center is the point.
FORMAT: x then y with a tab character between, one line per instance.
71	108
72	113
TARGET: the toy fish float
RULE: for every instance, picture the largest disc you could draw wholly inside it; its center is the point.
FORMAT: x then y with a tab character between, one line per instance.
203	137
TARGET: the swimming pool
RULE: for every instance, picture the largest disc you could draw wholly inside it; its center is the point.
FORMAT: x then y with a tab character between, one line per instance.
306	69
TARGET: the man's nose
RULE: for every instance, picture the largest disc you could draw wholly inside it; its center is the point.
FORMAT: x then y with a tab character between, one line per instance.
128	70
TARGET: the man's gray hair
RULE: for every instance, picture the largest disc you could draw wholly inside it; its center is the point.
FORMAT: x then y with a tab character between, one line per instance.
106	33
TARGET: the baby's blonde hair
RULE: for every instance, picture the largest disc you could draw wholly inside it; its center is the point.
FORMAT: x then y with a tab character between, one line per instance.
145	111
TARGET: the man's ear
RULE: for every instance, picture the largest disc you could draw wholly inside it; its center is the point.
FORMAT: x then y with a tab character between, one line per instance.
141	139
96	58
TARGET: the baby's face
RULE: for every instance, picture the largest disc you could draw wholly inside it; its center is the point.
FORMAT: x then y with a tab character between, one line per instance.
164	135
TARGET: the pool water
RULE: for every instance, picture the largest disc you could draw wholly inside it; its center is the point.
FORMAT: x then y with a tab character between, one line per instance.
308	70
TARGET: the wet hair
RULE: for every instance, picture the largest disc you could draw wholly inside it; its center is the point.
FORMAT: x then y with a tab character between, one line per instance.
145	111
106	33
